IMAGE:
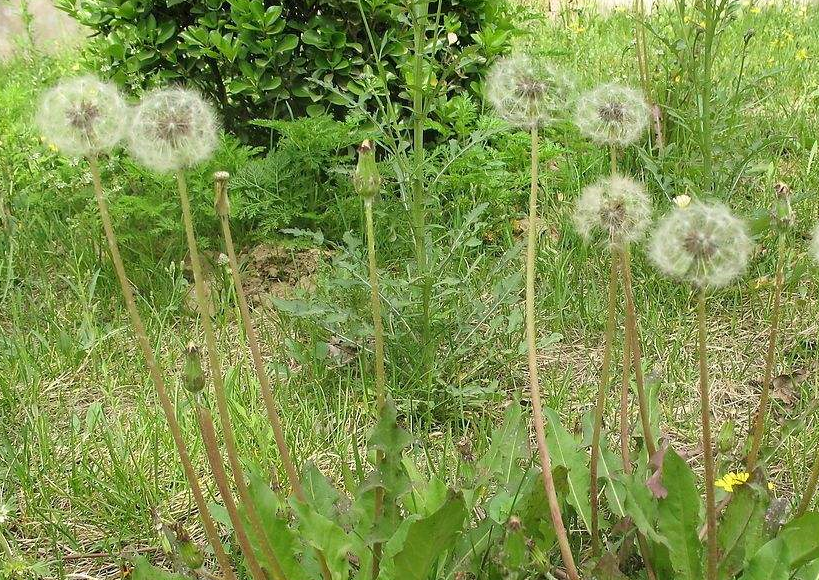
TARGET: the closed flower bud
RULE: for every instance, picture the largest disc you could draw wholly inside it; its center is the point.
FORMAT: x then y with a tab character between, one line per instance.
190	554
727	439
194	376
367	179
782	213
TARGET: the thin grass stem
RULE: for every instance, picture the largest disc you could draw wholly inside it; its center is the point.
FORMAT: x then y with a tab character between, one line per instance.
534	387
156	375
764	399
223	410
600	406
708	450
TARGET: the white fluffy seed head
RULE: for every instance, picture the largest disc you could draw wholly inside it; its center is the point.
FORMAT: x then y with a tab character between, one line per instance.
173	129
612	114
615	209
528	92
814	246
82	116
703	244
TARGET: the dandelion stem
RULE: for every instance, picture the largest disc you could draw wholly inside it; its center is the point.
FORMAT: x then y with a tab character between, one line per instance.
613	156
378	325
219	386
6	547
217	466
156	375
222	208
601	403
380	374
810	490
625	419
762	410
534	388
633	335
708	451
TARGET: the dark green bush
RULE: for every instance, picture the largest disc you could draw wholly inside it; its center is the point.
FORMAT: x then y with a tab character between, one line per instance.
258	59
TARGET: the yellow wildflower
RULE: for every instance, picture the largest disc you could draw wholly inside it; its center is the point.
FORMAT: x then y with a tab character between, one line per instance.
731	480
802	54
756	10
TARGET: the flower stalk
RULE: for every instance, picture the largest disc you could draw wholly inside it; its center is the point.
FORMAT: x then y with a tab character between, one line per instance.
600	405
223	210
534	387
708	450
156	375
218	383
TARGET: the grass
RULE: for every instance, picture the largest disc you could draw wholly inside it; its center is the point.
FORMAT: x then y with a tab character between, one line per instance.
84	452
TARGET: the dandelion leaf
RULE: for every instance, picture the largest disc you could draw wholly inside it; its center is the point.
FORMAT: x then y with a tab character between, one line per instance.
740	528
769	563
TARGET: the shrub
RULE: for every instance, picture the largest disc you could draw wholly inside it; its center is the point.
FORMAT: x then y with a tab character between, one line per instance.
261	60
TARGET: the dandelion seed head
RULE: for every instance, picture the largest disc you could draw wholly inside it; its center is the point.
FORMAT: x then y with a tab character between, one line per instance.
616	208
527	92
82	116
612	114
703	244
173	129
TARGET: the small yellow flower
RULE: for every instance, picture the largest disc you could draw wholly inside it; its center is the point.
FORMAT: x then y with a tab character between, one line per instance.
801	54
731	480
75	67
788	35
756	10
677	79
683	200
771	486
52	147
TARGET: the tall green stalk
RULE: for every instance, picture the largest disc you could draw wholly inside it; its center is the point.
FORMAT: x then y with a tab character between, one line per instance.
810	489
219	386
707	446
761	412
375	302
601	403
534	387
156	376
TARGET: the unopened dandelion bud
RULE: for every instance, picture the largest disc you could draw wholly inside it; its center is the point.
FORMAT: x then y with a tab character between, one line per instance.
682	200
367	179
782	213
82	116
703	244
615	208
190	554
173	129
222	204
194	377
727	439
528	92
514	523
612	114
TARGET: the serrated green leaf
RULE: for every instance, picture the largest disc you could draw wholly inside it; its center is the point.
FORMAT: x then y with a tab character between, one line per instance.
426	540
326	536
678	518
566	452
743	518
509	446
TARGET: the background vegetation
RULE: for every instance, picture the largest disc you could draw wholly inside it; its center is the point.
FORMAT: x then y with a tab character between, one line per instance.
84	455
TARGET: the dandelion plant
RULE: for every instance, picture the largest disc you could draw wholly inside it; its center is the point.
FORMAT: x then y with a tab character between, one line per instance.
618	210
172	130
782	219
367	181
85	117
530	93
706	246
